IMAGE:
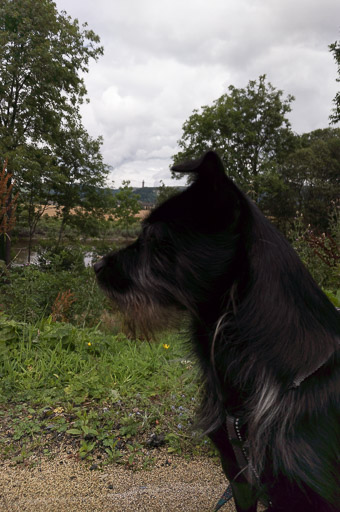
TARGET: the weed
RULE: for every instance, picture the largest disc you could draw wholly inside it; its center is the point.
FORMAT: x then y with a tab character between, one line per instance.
61	305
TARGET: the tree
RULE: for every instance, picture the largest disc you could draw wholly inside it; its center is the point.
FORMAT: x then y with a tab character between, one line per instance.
335	116
7	202
249	129
36	166
312	174
43	57
80	171
126	206
42	53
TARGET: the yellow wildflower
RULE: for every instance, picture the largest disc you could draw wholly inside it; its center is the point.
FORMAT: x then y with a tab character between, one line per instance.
58	410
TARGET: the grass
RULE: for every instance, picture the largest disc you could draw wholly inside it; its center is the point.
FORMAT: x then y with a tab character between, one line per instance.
110	398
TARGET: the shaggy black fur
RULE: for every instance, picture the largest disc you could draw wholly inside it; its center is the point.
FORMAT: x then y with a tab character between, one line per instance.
266	336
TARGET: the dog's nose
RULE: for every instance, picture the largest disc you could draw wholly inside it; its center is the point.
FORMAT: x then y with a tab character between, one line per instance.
98	265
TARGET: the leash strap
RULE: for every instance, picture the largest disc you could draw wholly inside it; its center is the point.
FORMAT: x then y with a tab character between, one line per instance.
227	495
235	438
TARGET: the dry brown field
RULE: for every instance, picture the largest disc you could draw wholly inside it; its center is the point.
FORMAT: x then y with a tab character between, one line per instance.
51	212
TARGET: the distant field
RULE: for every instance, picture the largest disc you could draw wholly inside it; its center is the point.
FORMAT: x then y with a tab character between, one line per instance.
51	212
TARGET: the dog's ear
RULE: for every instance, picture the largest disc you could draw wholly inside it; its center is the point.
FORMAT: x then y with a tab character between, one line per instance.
208	166
212	187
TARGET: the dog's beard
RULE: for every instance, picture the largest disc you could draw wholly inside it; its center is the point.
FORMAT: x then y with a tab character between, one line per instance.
143	317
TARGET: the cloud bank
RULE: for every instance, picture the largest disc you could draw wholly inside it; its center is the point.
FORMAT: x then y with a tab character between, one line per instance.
165	58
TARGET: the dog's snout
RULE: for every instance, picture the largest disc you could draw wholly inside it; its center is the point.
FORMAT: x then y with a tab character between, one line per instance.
99	265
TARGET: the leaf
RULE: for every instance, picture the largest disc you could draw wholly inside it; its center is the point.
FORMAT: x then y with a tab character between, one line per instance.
74	432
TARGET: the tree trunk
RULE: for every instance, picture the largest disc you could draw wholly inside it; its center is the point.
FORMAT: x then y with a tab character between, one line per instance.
2	247
7	251
61	230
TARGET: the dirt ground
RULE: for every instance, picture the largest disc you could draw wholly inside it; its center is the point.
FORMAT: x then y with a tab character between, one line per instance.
64	484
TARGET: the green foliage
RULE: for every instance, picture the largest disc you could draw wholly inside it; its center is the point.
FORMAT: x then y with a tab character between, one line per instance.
248	127
30	292
80	171
61	258
126	206
43	58
311	175
319	252
334	297
335	49
282	172
43	55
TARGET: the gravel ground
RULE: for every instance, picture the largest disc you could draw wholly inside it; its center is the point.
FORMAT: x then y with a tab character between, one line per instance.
64	484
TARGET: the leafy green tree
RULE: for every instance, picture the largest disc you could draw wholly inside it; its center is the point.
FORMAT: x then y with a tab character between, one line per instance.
312	174
43	57
90	220
335	116
80	173
248	127
126	206
37	172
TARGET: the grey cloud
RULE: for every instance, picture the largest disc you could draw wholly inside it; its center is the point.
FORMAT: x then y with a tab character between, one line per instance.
164	58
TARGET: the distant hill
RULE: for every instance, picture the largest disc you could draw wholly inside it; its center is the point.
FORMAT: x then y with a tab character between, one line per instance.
147	195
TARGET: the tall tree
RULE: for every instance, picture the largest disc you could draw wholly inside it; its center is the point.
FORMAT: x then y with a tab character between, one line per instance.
79	172
335	116
312	175
34	181
43	57
7	203
248	127
125	206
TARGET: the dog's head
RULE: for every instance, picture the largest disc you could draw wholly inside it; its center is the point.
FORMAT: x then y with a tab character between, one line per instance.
187	252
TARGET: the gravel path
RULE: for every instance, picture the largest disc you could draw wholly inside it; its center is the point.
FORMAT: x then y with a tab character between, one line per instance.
66	485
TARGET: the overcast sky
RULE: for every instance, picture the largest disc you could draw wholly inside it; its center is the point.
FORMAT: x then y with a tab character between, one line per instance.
164	58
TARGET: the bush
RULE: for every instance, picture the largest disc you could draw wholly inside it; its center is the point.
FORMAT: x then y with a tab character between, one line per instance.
320	252
61	258
30	293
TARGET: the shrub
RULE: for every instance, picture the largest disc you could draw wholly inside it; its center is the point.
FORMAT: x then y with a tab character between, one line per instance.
320	252
29	293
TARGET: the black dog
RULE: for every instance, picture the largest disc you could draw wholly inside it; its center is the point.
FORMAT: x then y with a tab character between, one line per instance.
266	337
